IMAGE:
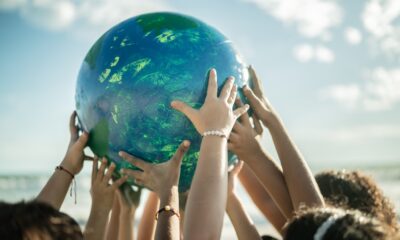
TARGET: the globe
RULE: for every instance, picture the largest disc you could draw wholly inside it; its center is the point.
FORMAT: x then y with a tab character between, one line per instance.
132	73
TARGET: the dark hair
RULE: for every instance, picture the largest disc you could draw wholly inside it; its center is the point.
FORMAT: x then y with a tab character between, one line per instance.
356	190
19	220
349	225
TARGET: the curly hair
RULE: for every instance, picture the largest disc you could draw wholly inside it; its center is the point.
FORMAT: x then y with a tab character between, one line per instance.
349	225
356	190
22	220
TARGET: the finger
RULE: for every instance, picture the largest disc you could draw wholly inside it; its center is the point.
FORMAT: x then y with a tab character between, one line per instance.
232	95
257	125
134	160
181	151
73	130
255	102
244	119
82	141
109	173
119	182
212	83
237	127
226	90
257	83
88	158
182	107
136	174
94	168
240	111
100	172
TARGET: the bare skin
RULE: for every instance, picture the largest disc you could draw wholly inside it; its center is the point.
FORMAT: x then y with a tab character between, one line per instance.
147	225
56	188
207	198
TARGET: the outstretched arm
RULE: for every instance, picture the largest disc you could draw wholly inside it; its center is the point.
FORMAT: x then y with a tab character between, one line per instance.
295	168
57	186
241	221
207	198
147	225
163	179
261	198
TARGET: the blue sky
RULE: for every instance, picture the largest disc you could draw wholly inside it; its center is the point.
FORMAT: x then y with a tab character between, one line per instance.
330	68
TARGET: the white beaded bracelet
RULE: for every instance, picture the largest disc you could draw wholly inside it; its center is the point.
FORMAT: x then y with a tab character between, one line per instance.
215	133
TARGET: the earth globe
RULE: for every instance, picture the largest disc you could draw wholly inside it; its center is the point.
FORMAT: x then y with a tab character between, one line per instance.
132	73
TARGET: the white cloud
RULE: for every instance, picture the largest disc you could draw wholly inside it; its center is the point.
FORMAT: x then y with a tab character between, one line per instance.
353	35
312	18
379	18
381	91
60	14
306	52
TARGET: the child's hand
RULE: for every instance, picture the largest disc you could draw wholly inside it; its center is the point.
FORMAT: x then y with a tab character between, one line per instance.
73	160
232	177
244	138
157	177
216	112
102	192
258	102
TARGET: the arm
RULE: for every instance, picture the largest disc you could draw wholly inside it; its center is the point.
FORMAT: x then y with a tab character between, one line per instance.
261	198
163	179
207	198
113	224
57	186
147	225
127	213
241	221
243	141
102	200
295	168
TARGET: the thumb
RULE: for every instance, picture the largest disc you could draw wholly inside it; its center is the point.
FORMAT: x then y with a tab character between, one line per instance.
183	108
181	151
82	141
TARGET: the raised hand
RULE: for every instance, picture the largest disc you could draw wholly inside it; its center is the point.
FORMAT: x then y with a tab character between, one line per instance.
259	103
157	177
73	160
232	177
102	192
244	138
216	112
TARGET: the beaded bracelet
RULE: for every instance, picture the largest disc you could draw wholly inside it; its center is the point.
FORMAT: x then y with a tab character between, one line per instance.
167	208
217	133
61	168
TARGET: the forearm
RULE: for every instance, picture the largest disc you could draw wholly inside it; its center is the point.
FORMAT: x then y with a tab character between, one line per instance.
241	221
261	198
55	189
271	177
113	224
207	198
126	226
96	225
147	223
295	169
168	223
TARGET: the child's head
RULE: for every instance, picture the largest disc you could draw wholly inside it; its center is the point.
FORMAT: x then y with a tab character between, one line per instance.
36	220
335	223
355	190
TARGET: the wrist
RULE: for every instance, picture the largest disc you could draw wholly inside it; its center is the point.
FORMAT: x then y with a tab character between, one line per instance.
99	210
65	163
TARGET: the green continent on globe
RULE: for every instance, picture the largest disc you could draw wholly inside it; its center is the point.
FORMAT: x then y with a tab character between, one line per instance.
132	73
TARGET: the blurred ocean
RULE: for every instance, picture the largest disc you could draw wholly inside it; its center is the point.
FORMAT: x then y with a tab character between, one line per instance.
17	187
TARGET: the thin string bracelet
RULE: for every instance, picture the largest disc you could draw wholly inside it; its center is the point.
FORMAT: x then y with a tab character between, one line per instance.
61	168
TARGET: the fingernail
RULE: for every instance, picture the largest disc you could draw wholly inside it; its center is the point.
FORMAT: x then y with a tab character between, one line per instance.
186	143
104	160
122	171
112	165
120	154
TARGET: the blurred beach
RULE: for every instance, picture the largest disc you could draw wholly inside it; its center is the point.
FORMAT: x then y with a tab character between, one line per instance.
14	188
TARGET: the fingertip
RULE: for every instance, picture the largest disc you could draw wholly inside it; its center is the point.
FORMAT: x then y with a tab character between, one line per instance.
186	143
104	160
121	154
